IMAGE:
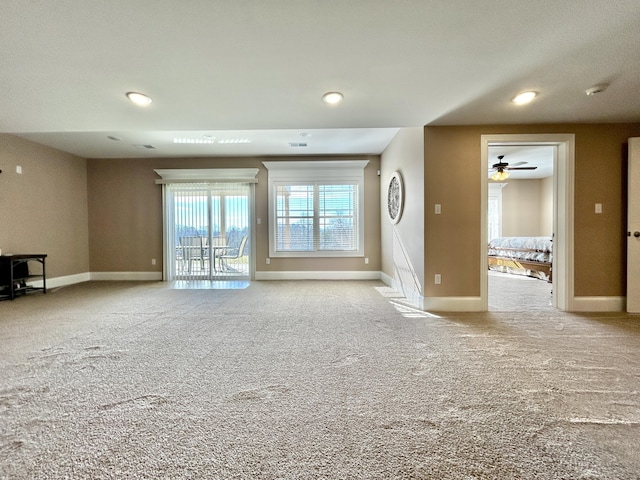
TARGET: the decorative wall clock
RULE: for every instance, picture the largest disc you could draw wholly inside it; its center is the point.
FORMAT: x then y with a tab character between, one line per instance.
395	198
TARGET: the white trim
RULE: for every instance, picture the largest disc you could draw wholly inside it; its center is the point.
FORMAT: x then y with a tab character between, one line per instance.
386	279
316	172
56	282
563	191
599	304
207	175
128	276
453	304
322	169
319	275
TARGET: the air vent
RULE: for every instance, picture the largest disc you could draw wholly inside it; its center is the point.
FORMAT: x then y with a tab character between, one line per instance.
148	147
234	140
297	144
199	141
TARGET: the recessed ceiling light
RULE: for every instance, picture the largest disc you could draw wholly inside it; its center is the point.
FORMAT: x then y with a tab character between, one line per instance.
305	134
596	89
524	97
138	98
332	98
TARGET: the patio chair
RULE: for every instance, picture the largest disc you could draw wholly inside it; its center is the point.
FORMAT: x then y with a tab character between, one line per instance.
193	249
235	254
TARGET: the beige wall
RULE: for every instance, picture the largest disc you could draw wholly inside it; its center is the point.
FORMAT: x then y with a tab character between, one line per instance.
546	206
452	178
125	215
527	208
44	209
403	257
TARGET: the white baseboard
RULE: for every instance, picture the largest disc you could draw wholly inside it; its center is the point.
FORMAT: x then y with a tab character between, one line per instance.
129	276
453	304
599	304
386	279
318	275
56	282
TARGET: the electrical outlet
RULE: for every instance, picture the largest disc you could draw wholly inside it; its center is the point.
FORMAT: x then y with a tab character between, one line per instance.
437	279
437	209
153	261
366	260
598	208
268	261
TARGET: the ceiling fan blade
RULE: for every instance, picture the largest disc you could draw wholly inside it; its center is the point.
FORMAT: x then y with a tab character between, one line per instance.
520	168
517	164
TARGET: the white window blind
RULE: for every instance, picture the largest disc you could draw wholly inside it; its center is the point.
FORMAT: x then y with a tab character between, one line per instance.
316	217
316	208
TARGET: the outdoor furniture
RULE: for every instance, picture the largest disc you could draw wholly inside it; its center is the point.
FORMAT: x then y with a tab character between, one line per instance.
193	249
232	254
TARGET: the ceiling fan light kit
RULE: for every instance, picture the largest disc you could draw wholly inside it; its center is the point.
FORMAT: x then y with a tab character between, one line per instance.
500	175
502	168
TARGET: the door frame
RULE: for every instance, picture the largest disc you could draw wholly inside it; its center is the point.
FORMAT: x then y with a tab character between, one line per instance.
208	175
563	211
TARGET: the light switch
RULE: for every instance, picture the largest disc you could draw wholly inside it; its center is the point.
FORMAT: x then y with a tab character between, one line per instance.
598	208
438	209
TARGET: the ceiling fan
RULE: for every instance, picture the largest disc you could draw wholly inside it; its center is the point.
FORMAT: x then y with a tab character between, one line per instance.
502	168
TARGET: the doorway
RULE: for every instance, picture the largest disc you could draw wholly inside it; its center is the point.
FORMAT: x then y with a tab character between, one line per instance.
520	227
208	231
562	221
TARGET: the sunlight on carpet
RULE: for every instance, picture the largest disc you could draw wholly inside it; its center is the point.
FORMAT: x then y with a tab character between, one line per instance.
209	284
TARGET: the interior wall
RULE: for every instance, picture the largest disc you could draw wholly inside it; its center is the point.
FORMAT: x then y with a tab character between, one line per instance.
403	243
546	206
524	208
452	245
44	209
125	215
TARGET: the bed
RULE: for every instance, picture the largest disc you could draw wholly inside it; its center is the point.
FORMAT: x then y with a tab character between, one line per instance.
531	256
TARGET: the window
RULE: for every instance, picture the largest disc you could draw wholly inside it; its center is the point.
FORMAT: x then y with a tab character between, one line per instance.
316	208
494	210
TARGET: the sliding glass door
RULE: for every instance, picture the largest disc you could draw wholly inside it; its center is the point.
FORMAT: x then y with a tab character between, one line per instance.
207	231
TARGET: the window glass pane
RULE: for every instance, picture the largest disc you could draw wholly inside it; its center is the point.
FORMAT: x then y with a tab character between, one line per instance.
295	235
318	217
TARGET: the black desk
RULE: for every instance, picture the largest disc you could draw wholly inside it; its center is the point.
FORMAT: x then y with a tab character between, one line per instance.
14	273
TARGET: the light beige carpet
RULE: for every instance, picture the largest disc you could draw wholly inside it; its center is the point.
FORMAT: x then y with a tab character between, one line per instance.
310	380
518	293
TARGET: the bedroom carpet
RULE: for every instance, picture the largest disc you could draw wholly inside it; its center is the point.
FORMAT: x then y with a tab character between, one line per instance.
310	380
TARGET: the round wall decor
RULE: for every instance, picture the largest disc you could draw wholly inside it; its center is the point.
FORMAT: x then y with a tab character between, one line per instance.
395	197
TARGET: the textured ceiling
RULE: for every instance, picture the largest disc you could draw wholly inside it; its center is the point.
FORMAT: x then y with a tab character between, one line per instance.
257	70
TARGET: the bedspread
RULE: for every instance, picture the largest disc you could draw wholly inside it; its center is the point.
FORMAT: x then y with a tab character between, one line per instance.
530	249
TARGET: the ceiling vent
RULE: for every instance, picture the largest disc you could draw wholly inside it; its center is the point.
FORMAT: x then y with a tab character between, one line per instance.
148	147
297	144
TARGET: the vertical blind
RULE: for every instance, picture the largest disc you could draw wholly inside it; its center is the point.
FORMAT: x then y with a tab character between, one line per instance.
200	216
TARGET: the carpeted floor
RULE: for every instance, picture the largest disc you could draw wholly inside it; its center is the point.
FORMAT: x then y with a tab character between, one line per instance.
518	293
310	380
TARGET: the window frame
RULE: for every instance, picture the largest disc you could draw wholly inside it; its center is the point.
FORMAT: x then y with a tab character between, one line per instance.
318	172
